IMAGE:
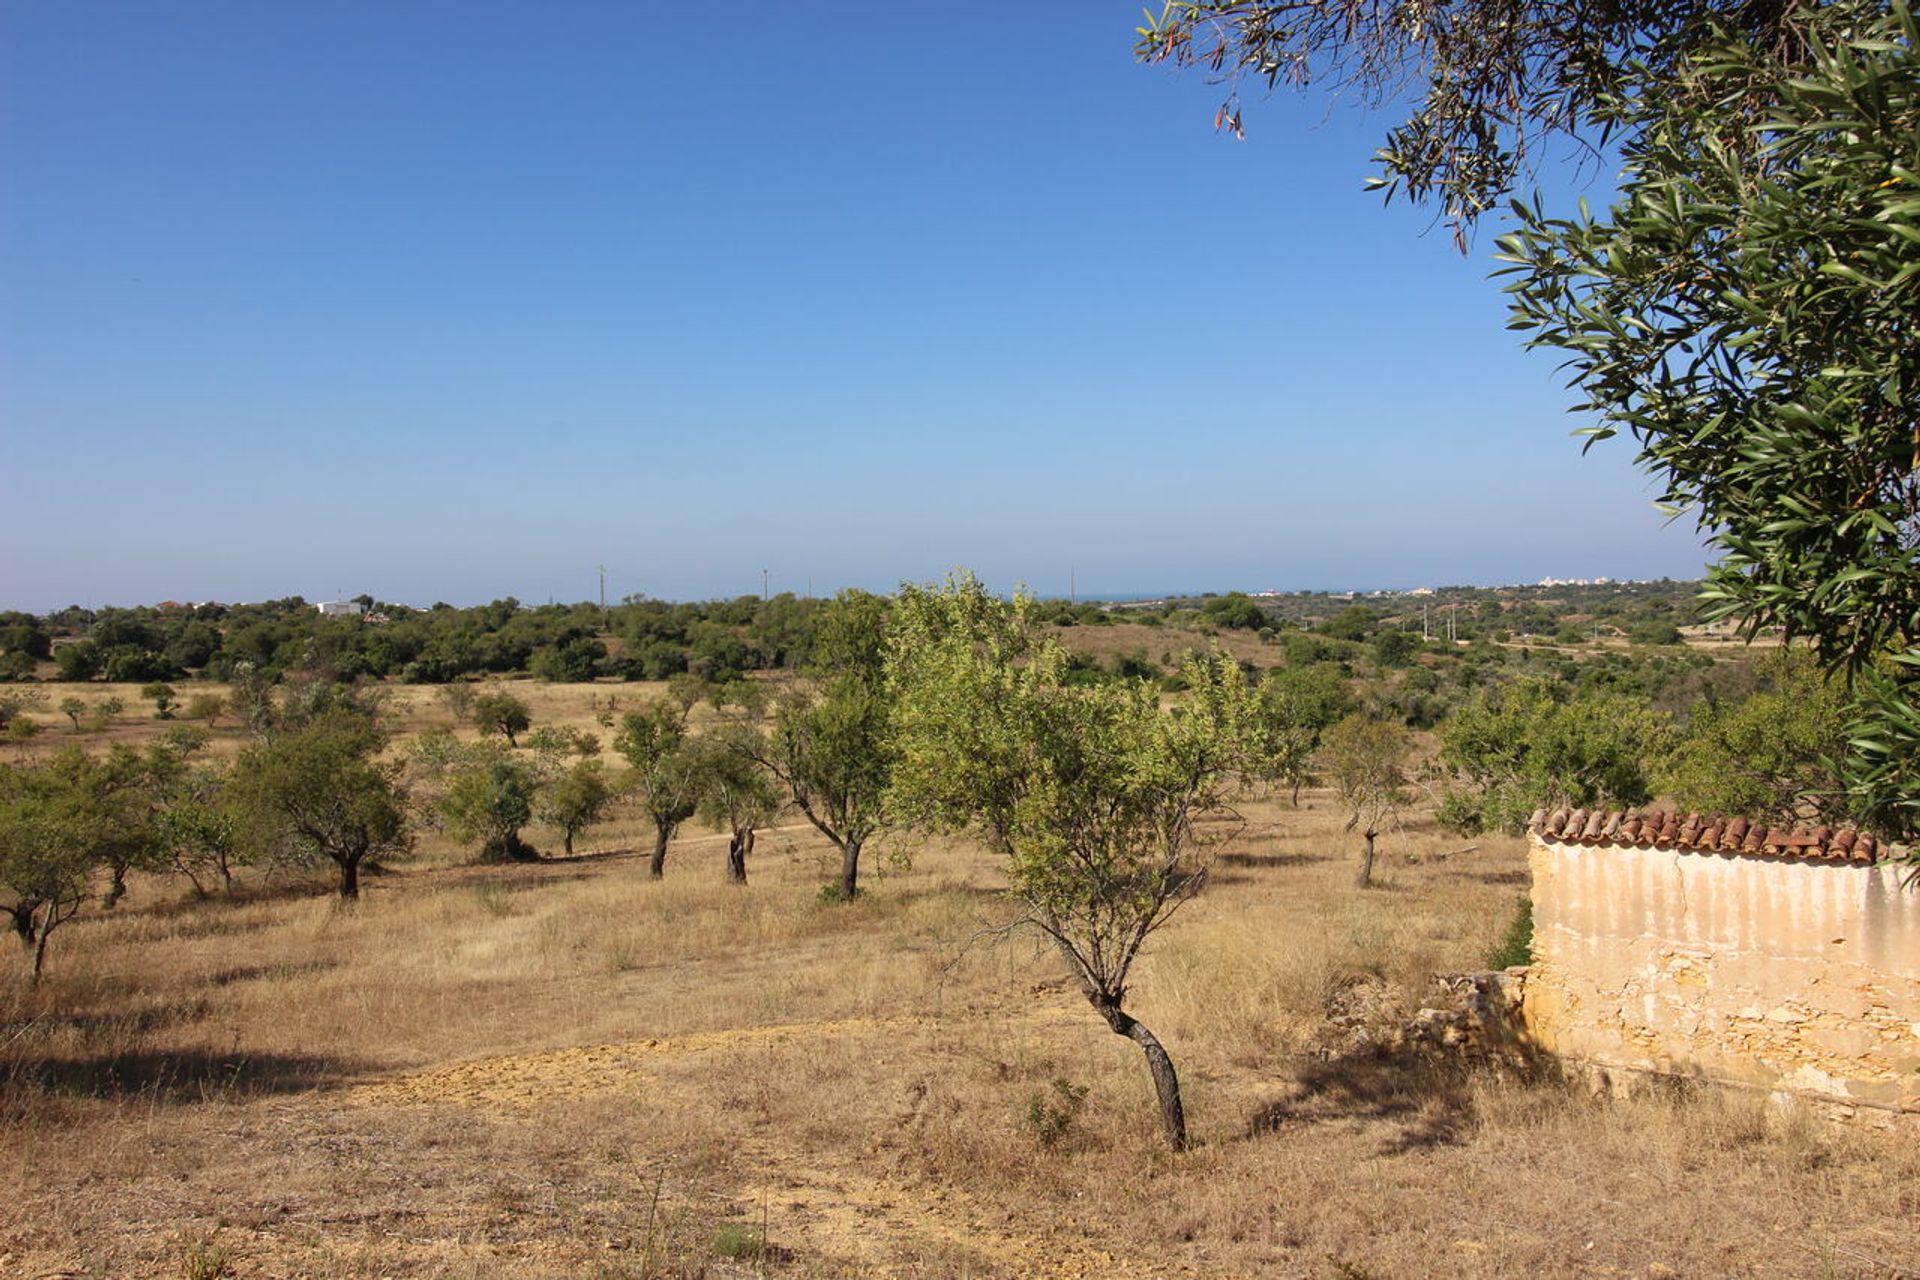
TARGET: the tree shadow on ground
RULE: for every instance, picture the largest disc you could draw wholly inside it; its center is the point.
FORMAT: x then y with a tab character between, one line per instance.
257	972
1429	1103
129	1022
1271	859
598	855
179	1076
1498	877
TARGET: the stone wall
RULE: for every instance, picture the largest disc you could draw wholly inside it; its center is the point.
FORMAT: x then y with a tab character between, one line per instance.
1789	975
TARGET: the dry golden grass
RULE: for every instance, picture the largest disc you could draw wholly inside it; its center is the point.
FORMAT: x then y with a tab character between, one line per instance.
566	1069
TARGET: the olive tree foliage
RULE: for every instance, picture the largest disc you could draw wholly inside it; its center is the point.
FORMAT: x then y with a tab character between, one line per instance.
200	830
1292	711
61	821
664	775
498	711
1489	82
735	792
830	745
488	798
1092	793
1367	760
1748	311
1774	756
1519	747
322	792
574	798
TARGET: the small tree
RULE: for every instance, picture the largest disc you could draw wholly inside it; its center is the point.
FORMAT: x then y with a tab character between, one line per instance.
1293	709
199	830
59	822
162	696
665	776
324	789
736	792
205	706
575	799
1366	758
502	713
1518	747
830	746
105	712
489	798
458	698
73	707
16	701
1090	792
1774	756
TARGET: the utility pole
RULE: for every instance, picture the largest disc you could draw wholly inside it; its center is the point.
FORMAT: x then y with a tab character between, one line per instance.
603	589
763	584
1073	586
1425	635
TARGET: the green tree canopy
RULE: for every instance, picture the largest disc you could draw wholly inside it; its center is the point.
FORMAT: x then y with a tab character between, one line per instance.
665	776
1773	756
1518	747
323	791
1090	791
1746	312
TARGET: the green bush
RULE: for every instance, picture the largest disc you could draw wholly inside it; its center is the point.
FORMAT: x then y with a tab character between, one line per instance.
1516	945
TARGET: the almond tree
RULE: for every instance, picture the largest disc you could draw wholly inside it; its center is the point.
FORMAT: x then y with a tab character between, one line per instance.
60	822
1366	758
736	792
665	776
830	743
324	791
1090	793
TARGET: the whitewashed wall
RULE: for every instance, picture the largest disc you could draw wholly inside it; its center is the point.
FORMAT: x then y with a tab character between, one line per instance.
1798	976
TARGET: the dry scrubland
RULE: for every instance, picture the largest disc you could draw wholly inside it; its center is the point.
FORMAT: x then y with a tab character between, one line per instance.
569	1070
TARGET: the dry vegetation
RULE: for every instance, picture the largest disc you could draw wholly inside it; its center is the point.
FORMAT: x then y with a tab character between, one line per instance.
568	1070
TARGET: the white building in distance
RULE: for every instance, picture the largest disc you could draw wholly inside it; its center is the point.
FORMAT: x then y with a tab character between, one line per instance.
341	608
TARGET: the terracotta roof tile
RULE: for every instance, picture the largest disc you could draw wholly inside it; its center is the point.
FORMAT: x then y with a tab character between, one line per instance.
1708	832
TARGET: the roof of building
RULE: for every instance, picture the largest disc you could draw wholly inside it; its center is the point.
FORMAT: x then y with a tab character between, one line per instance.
1704	833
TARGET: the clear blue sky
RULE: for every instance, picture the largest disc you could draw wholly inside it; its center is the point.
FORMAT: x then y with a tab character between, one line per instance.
458	300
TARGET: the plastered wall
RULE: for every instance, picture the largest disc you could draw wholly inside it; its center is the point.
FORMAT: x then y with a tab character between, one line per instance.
1795	976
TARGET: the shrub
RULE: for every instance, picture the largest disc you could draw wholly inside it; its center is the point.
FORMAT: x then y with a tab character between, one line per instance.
1050	1116
1516	945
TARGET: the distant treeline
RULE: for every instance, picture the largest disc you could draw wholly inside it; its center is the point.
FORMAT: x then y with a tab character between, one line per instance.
719	641
716	640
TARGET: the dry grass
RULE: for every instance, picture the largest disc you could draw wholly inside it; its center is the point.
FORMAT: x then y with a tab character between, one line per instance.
569	1070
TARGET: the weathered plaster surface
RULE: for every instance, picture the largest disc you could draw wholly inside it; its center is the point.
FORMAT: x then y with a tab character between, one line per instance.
1787	975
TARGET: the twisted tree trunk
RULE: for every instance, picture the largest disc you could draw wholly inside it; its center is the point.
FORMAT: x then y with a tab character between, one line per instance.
737	850
662	833
1365	878
1166	1082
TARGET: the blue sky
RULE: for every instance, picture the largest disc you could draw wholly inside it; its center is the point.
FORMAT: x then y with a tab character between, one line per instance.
460	300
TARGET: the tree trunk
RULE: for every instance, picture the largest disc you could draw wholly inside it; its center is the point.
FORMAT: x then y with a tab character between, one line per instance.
200	893
350	878
25	925
1166	1082
226	876
849	870
566	842
661	834
40	955
737	850
116	888
1296	793
1365	878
